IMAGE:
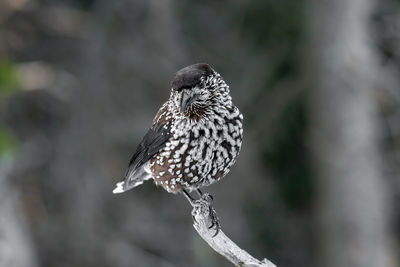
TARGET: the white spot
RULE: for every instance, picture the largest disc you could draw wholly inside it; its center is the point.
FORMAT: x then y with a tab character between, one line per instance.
119	188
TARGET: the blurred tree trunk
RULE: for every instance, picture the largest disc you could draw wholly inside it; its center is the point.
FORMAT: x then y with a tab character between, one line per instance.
16	248
125	59
351	195
112	109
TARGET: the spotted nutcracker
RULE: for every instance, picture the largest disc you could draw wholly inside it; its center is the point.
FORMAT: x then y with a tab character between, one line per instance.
195	137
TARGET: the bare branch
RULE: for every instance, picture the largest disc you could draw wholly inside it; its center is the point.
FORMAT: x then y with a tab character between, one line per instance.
221	243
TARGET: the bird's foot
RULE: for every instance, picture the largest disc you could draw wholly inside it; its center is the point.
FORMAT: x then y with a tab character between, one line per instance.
204	206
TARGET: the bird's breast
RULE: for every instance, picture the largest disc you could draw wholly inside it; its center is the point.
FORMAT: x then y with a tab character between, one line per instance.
198	152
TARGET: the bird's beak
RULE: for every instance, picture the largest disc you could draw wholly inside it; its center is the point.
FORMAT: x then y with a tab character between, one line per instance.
187	100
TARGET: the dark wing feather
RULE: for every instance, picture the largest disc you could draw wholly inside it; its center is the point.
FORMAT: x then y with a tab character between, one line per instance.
154	140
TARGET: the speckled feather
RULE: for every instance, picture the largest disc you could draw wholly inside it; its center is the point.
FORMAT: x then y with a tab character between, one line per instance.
191	148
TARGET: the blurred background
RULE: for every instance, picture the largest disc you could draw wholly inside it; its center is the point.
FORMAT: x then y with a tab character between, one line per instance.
318	179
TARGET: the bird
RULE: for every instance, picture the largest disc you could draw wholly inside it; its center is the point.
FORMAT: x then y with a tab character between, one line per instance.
195	137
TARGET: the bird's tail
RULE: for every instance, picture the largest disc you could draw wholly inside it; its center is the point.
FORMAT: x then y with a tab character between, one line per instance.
134	178
119	188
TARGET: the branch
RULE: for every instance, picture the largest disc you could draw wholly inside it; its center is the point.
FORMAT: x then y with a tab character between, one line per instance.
221	243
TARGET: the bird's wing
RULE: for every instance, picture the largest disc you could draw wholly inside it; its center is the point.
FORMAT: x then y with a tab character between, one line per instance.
152	142
138	169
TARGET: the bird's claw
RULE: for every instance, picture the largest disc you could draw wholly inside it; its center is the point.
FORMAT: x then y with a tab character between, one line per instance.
205	202
214	221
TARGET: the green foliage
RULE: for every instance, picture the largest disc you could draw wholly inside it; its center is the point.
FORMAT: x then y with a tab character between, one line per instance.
8	86
275	28
8	143
272	23
86	4
8	78
286	156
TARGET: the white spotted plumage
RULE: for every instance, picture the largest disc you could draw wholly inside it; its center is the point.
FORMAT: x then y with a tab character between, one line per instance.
206	147
195	138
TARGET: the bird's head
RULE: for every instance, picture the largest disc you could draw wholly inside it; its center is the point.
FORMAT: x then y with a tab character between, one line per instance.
196	89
